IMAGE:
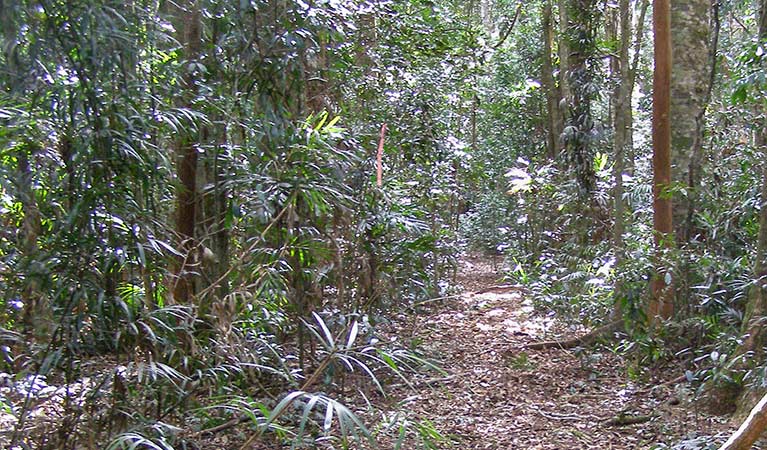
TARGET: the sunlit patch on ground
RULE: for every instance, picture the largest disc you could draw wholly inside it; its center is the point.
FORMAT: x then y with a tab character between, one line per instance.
499	395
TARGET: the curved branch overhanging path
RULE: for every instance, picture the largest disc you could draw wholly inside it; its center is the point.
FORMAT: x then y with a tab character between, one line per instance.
499	395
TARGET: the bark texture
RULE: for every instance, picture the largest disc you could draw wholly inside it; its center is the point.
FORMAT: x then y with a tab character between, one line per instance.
564	56
37	314
661	304
553	95
190	36
756	309
690	80
750	430
622	123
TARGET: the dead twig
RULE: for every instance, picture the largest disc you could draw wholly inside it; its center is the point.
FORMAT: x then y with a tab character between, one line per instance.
560	416
432	300
224	426
501	288
585	340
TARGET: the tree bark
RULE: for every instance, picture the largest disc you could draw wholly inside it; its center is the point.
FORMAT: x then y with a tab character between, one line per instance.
564	57
661	303
190	36
621	105
750	429
756	309
690	20
563	50
487	16
14	78
553	95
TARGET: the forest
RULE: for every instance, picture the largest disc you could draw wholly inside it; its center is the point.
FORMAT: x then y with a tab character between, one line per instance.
383	224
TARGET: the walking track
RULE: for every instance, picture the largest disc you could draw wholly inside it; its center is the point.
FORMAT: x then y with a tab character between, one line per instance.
498	395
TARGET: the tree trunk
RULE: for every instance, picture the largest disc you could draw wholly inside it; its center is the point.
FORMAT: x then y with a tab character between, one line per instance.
214	258
563	49
622	95
756	309
750	430
488	18
621	105
689	84
564	57
14	78
661	304
553	95
37	312
190	35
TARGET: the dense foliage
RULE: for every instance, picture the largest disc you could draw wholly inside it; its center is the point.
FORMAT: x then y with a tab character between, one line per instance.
193	235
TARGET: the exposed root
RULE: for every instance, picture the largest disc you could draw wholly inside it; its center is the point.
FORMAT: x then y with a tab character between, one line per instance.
750	430
581	341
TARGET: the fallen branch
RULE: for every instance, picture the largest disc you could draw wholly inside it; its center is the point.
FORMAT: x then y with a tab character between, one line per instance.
379	157
432	300
224	426
560	416
586	339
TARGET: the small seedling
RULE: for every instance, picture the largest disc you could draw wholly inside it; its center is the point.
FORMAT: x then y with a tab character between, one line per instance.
520	361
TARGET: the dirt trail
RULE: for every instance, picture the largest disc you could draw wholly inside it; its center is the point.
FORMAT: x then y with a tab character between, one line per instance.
498	395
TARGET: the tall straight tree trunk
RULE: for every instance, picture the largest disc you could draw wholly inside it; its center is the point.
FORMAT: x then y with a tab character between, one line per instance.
213	206
661	304
563	50
756	309
623	123
564	56
14	78
488	18
621	106
690	21
555	123
189	22
690	90
214	300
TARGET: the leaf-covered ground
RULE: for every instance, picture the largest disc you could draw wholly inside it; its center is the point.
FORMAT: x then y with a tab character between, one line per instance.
494	393
498	395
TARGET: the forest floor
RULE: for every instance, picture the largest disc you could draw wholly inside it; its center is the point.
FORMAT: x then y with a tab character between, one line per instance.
496	394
